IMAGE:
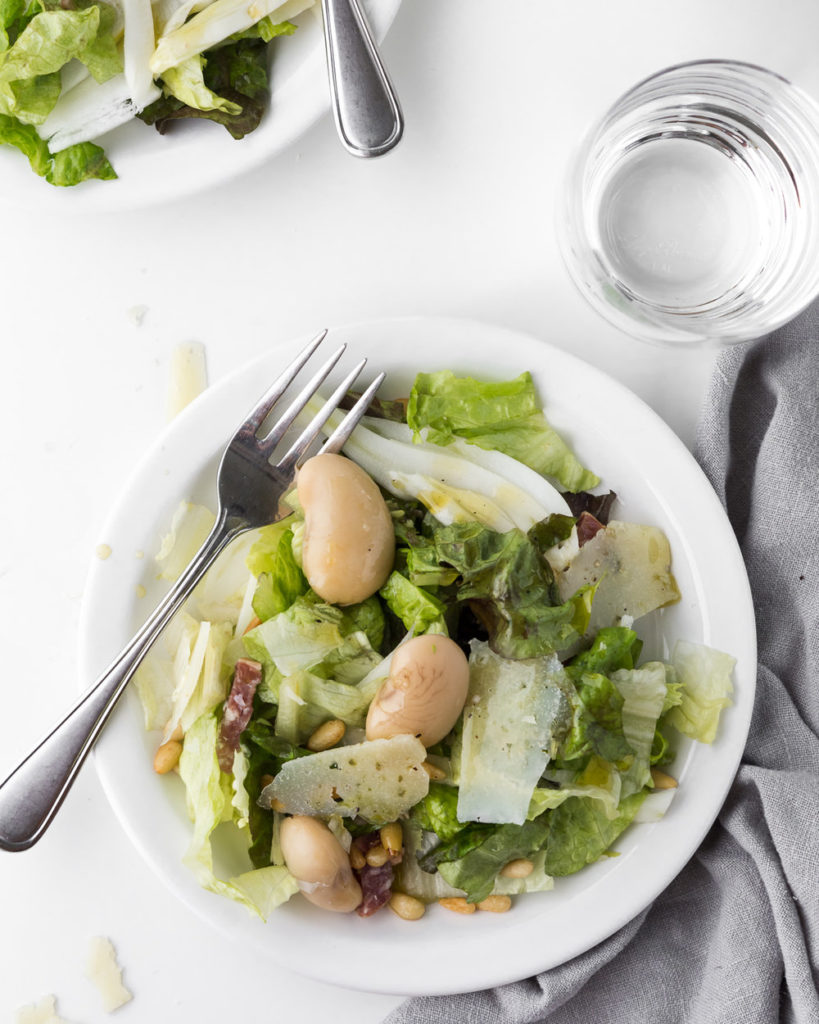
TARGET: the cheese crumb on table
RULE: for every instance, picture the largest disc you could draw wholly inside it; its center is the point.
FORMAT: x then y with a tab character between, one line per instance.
44	1012
103	971
188	376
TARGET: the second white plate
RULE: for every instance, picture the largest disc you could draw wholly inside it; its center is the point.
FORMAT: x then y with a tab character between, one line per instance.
156	168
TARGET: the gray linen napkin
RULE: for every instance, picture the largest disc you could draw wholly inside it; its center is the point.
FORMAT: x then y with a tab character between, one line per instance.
735	938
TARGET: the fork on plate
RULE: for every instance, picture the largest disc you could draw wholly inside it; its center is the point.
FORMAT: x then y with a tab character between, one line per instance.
249	487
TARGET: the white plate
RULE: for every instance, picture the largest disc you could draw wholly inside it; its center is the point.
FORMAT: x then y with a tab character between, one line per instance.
658	482
193	156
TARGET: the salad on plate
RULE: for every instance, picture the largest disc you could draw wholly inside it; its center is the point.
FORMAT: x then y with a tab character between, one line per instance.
72	70
423	683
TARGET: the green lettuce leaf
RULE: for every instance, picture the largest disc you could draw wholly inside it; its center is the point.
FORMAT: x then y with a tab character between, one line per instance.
419	610
504	415
599	780
80	162
12	21
366	617
29	79
644	692
613	648
68	167
280	579
579	832
475	872
706	688
235	73
438	812
597	726
186	82
209	798
514	588
266	753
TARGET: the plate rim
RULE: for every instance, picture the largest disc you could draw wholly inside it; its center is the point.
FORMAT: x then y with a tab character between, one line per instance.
530	959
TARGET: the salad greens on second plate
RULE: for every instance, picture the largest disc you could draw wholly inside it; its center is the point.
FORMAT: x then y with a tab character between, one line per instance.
72	70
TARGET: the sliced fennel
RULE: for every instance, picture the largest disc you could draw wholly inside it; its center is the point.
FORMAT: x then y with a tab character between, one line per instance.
453	487
216	22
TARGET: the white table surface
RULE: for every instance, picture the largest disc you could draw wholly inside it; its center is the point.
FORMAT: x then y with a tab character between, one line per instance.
457	221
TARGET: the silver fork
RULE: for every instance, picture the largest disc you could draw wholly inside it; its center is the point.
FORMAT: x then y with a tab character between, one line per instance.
249	487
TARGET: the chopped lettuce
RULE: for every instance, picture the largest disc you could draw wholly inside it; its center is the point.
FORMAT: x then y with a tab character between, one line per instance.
420	611
644	693
579	832
475	872
705	675
190	525
599	780
507	577
504	416
280	579
438	812
209	797
29	68
71	166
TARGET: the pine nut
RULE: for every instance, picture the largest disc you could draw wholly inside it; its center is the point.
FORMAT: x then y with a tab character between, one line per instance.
377	856
392	838
265	780
433	771
277	805
458	904
167	756
177	734
327	735
496	904
662	781
357	858
520	868
407	907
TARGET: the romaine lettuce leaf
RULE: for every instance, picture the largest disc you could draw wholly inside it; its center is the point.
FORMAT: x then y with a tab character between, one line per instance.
599	780
281	580
438	812
597	726
579	832
475	872
70	166
505	416
209	796
613	648
644	693
29	79
506	576
186	82
420	611
705	675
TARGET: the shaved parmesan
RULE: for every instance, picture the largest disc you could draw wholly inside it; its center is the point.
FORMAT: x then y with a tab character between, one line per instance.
511	715
631	565
103	971
377	779
44	1012
189	376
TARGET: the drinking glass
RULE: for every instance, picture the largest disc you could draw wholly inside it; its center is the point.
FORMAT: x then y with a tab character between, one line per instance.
691	211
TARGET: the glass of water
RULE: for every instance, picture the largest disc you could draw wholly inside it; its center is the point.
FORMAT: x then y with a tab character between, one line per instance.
691	211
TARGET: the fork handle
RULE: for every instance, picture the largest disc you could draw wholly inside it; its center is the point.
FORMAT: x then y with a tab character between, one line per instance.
33	793
366	110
